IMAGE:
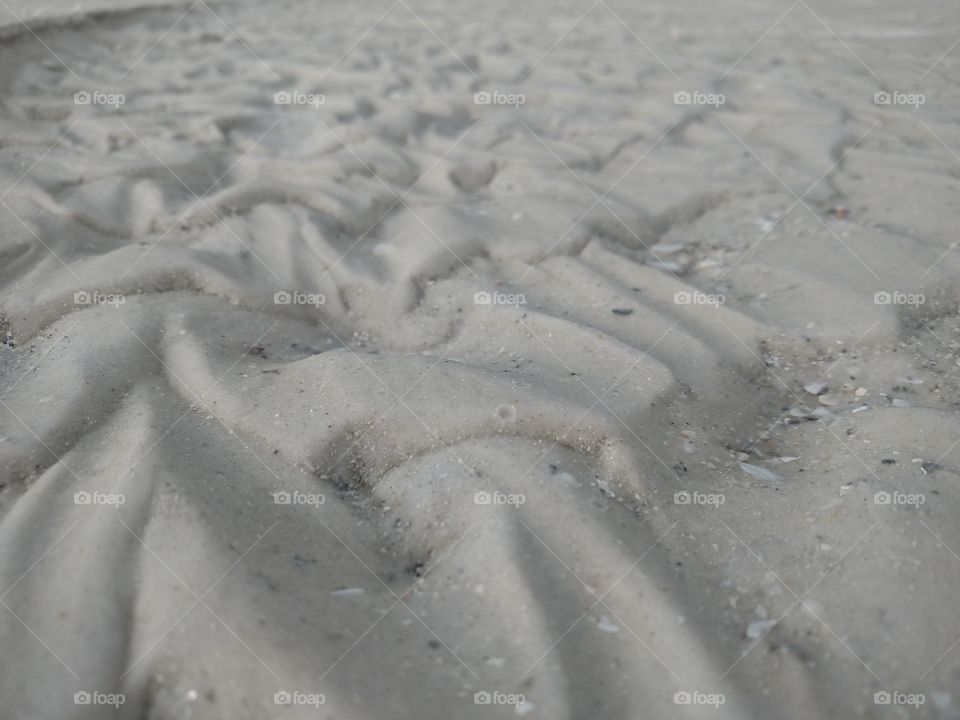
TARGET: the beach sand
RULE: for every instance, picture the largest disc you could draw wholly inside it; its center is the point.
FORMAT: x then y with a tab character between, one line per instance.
411	360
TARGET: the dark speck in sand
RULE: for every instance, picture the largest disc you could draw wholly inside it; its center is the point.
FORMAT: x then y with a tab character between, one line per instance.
622	311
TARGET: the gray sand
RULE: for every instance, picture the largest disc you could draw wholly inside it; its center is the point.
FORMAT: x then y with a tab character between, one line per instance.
418	361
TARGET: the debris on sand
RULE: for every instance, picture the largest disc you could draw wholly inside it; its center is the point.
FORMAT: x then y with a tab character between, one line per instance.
758	627
607	625
347	591
759	472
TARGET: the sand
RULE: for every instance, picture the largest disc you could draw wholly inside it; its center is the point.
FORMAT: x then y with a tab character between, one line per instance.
488	376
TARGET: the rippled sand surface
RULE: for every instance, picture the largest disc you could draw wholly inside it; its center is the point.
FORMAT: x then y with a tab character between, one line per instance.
561	360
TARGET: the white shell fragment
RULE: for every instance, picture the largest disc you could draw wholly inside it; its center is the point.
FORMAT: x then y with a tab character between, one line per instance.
345	592
759	627
760	473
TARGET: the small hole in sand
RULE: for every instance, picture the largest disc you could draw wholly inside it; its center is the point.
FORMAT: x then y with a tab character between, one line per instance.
507	413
